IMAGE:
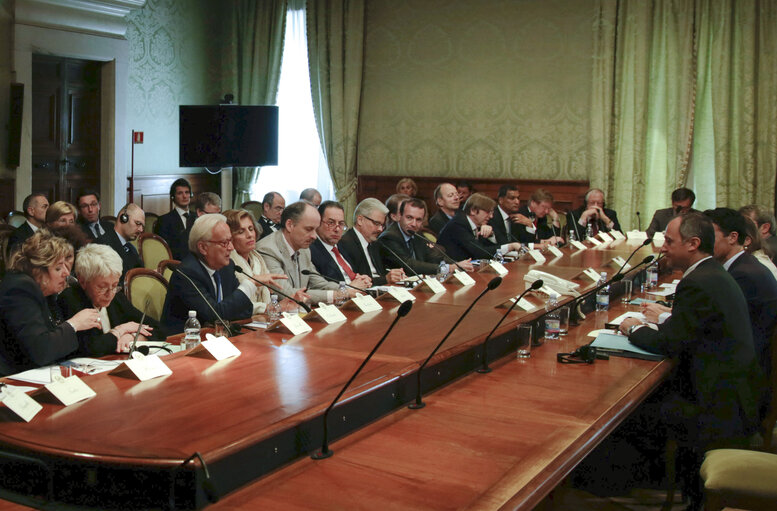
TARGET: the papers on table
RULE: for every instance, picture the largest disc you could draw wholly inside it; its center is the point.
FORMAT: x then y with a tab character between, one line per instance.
630	314
636	235
619	345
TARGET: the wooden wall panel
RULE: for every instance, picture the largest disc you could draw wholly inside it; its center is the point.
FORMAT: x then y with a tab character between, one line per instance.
566	194
7	201
152	192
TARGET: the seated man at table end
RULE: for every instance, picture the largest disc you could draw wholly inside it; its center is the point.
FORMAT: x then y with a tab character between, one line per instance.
213	273
682	202
592	213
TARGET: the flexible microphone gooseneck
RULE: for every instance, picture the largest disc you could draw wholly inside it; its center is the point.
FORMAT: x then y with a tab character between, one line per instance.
133	347
639	221
330	279
476	245
226	324
437	247
396	256
492	284
644	243
534	286
325	452
274	289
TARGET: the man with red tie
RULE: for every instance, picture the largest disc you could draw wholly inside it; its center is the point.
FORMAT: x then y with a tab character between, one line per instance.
324	252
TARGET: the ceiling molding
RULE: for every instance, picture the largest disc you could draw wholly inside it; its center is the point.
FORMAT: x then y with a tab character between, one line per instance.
99	17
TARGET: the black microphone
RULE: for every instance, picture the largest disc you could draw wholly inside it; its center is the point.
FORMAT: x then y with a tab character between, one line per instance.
228	327
274	289
438	248
133	346
639	222
493	284
325	452
534	286
644	243
330	279
396	256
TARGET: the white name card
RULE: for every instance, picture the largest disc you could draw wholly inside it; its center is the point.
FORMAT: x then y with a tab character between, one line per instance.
463	278
400	294
495	267
329	313
20	403
617	235
595	242
143	367
70	390
433	284
621	262
537	255
605	237
555	251
636	235
578	245
591	274
217	347
291	322
524	304
365	303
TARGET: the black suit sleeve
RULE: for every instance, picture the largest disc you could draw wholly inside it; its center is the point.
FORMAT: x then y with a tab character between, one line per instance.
235	305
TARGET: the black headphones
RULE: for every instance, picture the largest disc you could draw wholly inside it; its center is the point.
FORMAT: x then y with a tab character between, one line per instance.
585	354
123	218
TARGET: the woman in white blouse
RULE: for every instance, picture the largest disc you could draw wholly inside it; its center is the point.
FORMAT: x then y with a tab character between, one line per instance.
245	233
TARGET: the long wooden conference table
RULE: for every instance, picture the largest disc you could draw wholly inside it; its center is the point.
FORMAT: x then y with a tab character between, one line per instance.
236	434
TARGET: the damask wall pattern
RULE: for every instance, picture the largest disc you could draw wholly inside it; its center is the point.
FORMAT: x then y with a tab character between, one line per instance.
175	48
487	87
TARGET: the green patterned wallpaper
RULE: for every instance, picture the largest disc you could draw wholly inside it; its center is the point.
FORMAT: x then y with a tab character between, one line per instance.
477	87
174	59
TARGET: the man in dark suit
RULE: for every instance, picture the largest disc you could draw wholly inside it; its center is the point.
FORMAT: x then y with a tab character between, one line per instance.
209	267
35	206
592	213
538	221
767	227
505	214
712	398
88	202
754	279
359	245
682	202
175	225
447	199
97	269
468	235
273	205
129	225
324	252
401	237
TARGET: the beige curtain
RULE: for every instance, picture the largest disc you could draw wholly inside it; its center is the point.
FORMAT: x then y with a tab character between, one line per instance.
335	53
257	30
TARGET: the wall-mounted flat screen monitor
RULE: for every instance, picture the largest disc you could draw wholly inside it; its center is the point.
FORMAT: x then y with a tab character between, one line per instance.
228	136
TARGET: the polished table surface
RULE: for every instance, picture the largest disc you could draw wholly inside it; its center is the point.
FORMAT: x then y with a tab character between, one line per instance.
282	384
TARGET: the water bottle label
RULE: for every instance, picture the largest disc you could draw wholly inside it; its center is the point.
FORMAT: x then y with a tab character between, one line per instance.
552	327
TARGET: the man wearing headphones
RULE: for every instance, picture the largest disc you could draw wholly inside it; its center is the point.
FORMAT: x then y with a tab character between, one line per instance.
592	213
174	226
130	223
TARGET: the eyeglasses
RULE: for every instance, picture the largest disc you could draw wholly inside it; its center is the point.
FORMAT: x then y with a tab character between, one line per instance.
90	205
332	224
375	222
224	243
107	289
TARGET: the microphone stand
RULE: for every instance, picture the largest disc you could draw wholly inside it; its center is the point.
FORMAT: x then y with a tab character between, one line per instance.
534	286
644	243
396	256
133	346
325	452
493	284
639	221
436	246
274	289
330	279
226	325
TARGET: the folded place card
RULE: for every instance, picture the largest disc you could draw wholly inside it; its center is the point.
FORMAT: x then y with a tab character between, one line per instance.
591	274
523	303
69	390
595	242
619	262
432	284
142	367
365	303
617	234
292	323
461	277
20	403
578	245
636	235
494	267
537	255
555	251
605	237
328	313
217	347
399	294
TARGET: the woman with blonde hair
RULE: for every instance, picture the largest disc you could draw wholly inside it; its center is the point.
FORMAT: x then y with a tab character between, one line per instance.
30	333
407	186
245	232
60	213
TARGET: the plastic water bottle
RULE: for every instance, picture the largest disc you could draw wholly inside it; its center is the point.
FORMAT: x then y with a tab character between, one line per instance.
442	271
552	319
341	296
191	330
498	256
572	235
603	295
589	230
652	276
273	309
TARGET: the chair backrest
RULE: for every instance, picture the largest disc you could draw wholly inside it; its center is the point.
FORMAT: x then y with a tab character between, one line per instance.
153	249
165	268
151	220
141	284
767	431
429	234
108	218
15	218
5	233
255	207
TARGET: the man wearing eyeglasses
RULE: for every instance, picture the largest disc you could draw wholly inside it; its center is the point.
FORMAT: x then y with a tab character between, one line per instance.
359	246
208	265
130	223
88	202
324	252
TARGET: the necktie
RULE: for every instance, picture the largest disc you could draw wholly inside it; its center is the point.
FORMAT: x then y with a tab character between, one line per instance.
96	229
409	244
185	220
217	278
128	248
343	263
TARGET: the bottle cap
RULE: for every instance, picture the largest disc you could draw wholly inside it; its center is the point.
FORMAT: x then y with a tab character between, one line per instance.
192	314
